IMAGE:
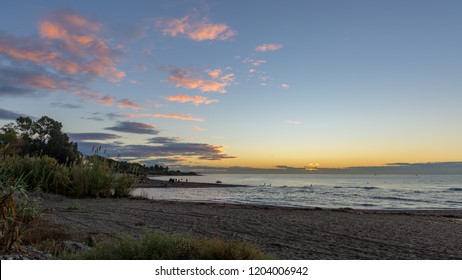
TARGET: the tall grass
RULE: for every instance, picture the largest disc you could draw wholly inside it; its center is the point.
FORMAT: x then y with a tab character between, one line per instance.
90	177
158	246
93	177
96	177
17	212
39	173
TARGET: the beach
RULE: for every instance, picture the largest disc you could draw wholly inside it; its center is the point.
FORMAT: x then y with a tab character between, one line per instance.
283	232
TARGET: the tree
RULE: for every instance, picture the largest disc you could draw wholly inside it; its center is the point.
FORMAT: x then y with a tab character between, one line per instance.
41	137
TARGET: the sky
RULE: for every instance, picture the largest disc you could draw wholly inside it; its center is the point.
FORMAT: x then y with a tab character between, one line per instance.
278	85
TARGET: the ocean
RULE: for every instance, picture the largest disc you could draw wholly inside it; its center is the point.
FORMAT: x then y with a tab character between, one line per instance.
327	191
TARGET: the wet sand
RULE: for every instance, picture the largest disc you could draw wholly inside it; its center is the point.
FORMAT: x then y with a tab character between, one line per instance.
285	233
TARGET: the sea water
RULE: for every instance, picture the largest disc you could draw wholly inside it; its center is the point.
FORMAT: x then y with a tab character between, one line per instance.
328	191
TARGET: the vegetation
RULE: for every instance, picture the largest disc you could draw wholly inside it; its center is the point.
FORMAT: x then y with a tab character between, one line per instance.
38	173
17	212
92	177
44	137
37	156
39	138
162	246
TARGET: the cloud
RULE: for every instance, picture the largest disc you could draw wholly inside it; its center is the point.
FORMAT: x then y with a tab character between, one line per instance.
8	115
196	100
160	147
165	116
254	62
92	136
77	37
268	47
134	127
65	105
163	140
285	86
98	116
125	103
66	57
215	82
197	128
312	166
106	100
34	55
179	117
172	147
18	81
214	74
166	161
430	168
294	122
195	29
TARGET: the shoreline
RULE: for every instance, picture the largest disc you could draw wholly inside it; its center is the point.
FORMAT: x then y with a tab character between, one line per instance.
156	183
284	232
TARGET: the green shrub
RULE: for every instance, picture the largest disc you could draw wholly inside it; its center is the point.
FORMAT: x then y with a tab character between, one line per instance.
158	246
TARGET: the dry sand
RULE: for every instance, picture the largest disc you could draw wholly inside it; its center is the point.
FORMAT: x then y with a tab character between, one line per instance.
286	233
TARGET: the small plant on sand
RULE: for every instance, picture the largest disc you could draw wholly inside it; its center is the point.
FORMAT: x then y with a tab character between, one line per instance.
17	212
74	206
158	246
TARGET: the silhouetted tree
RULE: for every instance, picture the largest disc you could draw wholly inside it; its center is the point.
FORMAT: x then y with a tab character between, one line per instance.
41	137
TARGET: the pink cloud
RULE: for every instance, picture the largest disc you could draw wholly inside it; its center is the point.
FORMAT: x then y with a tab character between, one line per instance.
194	29
254	62
39	81
38	56
106	100
179	117
129	104
268	47
166	116
214	74
197	128
196	100
81	50
67	56
193	80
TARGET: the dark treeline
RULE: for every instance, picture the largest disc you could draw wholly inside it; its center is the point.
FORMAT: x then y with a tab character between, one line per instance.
44	137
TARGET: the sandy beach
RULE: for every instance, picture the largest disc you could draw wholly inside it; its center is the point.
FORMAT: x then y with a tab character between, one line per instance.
285	233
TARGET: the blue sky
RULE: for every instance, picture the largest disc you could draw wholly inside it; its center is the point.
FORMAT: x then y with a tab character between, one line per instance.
302	84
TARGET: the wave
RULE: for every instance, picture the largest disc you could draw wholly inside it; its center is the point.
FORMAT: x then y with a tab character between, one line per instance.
397	198
363	188
366	205
455	189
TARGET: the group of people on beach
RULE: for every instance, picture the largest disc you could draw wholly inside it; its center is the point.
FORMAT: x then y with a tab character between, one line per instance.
171	180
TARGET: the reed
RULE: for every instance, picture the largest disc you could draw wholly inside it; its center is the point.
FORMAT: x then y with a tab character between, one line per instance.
92	177
17	212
